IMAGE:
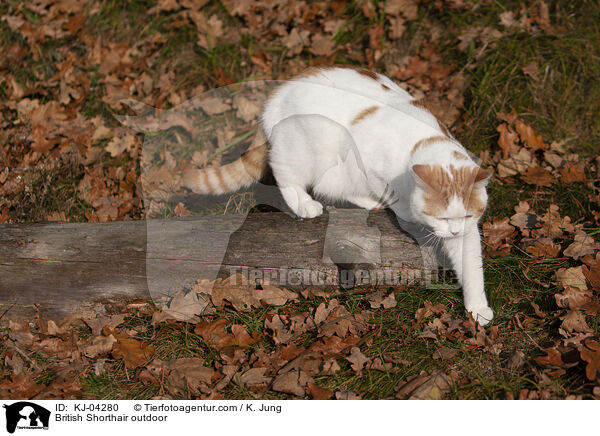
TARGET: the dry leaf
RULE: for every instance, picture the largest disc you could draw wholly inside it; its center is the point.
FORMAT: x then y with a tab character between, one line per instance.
497	236
216	336
347	395
133	352
321	45
578	299
247	109
20	332
574	321
319	393
425	387
292	382
553	358
214	106
528	136
295	41
531	70
99	345
98	323
590	353
538	176
583	244
544	248
592	270
573	277
281	335
181	210
507	141
524	219
516	163
357	359
184	307
273	296
444	353
255	376
190	372
573	172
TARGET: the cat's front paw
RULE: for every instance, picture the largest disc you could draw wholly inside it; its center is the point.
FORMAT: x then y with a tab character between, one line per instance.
482	315
310	209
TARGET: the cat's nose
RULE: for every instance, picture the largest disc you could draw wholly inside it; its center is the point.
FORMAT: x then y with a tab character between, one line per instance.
455	233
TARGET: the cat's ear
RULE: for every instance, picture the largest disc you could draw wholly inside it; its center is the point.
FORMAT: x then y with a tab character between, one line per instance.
424	174
483	176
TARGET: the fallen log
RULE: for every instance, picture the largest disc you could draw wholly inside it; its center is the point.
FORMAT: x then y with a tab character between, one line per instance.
64	269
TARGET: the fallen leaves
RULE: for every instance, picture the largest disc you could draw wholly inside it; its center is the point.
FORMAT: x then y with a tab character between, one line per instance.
591	354
571	277
216	335
529	137
507	141
272	342
538	176
133	352
583	244
425	387
498	236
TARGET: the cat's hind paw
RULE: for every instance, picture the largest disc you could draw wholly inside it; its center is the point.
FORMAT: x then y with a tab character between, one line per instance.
482	315
310	209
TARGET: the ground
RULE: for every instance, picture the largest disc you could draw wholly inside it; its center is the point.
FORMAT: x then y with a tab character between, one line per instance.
516	82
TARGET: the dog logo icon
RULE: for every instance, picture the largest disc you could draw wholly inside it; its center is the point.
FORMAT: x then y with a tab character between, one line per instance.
26	415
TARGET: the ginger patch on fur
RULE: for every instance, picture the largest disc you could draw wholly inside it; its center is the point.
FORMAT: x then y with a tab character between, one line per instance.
459	156
427	141
443	185
363	114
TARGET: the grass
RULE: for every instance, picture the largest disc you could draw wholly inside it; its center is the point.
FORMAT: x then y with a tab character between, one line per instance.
561	102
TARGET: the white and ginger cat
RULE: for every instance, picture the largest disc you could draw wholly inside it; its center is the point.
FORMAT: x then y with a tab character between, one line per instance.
354	135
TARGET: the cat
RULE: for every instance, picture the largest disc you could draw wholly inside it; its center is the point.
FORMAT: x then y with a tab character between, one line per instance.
355	135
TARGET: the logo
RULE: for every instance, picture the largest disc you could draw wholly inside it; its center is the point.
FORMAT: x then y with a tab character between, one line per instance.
26	415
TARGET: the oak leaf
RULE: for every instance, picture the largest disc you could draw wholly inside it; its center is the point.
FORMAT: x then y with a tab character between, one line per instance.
591	270
292	382
544	248
216	336
99	345
133	352
573	172
571	277
497	236
583	244
578	299
590	353
255	376
98	323
574	321
379	299
20	332
185	306
189	372
322	45
507	141
319	393
529	136
538	176
357	359
444	353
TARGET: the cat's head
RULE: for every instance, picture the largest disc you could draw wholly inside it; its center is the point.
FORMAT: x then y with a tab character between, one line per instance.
447	199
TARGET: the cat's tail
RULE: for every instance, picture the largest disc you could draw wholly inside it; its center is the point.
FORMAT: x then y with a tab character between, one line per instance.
238	174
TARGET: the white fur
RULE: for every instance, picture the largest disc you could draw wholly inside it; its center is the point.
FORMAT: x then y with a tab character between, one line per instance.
315	144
